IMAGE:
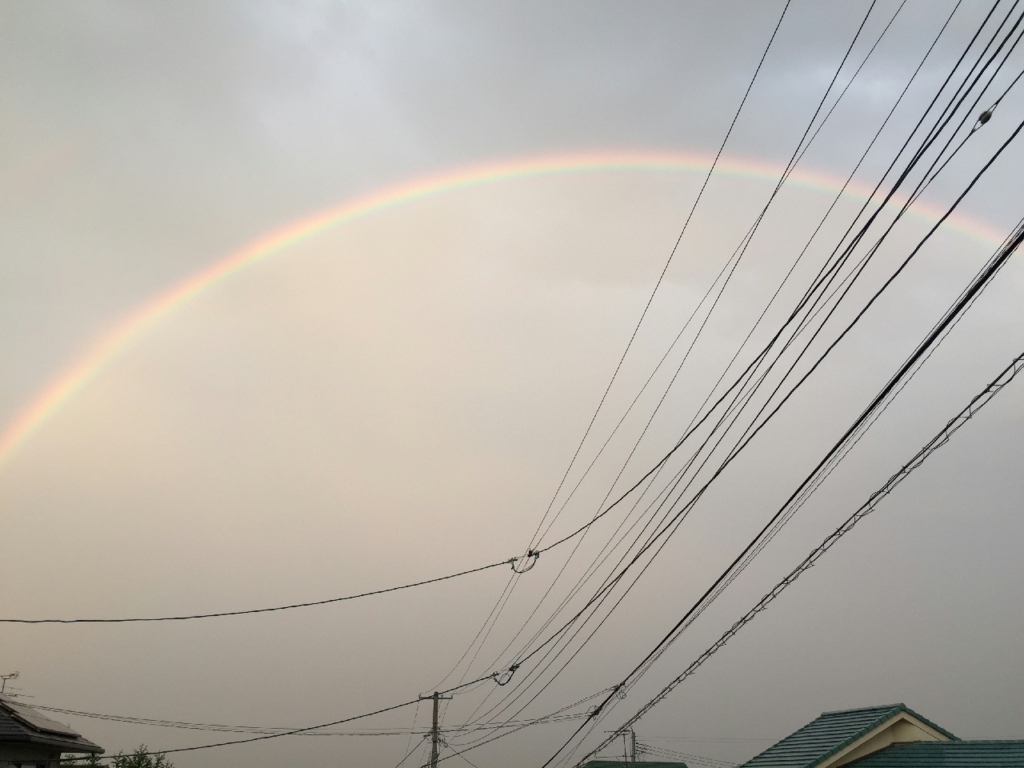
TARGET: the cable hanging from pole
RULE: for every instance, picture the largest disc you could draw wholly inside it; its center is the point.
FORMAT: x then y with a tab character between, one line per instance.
940	439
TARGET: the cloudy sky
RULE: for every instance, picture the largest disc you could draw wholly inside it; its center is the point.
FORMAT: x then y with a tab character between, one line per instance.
396	396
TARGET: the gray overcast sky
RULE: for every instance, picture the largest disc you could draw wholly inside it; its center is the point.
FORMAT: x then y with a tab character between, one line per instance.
398	397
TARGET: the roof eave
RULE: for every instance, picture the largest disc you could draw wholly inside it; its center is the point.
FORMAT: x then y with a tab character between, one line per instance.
65	745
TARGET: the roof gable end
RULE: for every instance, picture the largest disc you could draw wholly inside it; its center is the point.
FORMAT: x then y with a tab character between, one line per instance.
836	738
946	754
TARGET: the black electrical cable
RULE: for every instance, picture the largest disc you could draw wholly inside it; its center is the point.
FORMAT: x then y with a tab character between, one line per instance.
298	731
492	618
408	754
940	439
531	554
964	301
823	274
462	757
602	622
985	116
1016	79
733	262
671	256
263	729
941	333
250	611
601	555
833	204
547	718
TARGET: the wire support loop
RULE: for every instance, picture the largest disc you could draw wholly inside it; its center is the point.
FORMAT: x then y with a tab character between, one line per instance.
505	676
527	561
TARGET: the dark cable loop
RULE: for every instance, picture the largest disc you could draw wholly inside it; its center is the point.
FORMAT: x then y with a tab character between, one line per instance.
529	559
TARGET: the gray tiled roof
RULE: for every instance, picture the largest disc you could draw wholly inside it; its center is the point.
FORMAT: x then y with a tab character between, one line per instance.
20	723
827	734
946	754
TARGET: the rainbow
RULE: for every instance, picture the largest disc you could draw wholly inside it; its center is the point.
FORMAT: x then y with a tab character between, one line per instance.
59	391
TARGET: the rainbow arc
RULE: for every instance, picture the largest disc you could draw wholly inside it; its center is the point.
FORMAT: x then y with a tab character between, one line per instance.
63	388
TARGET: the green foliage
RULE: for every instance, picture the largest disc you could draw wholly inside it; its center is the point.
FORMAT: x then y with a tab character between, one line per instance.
85	762
140	758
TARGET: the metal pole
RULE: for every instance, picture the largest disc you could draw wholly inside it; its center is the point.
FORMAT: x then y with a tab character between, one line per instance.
632	745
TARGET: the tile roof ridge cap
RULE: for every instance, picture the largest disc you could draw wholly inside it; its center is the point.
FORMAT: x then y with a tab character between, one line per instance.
876	708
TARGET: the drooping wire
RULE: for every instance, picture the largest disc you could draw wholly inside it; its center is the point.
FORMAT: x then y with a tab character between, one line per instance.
263	729
804	144
941	330
675	247
250	611
798	154
503	599
939	440
884	286
296	731
977	285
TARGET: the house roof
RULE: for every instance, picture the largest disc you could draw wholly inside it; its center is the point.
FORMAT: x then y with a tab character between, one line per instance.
829	733
21	724
945	754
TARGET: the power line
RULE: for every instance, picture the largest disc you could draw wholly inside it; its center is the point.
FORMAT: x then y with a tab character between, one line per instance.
529	558
749	435
305	730
977	286
940	439
758	424
675	248
531	555
538	535
672	754
262	729
965	300
220	614
799	152
547	718
284	608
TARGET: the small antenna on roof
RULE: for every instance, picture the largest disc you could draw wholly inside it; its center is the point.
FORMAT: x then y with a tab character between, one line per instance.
5	678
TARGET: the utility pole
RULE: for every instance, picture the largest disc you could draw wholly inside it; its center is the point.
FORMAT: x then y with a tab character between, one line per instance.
628	744
435	730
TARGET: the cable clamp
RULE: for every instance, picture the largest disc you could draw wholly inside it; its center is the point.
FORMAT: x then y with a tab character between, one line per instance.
530	559
503	678
984	117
